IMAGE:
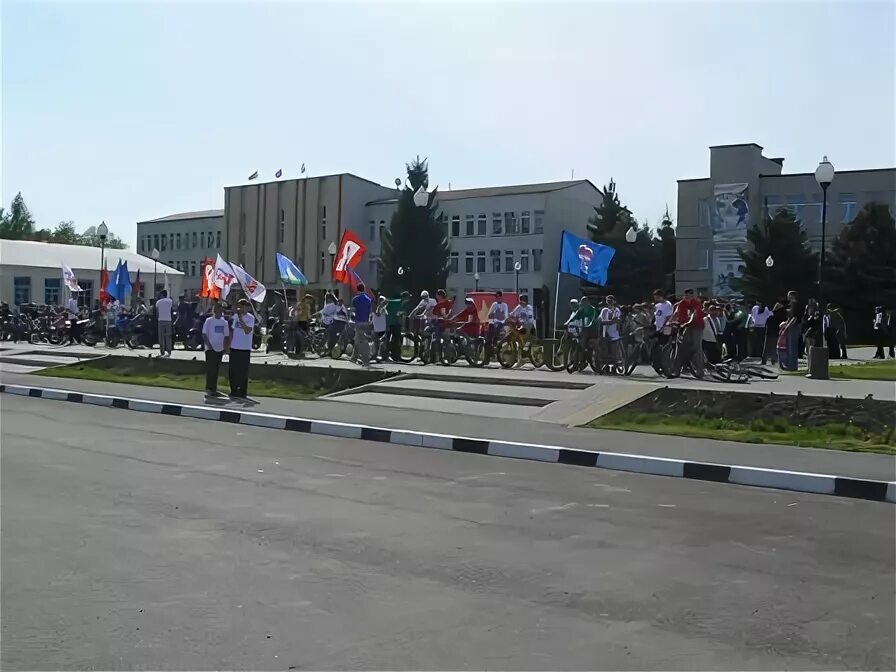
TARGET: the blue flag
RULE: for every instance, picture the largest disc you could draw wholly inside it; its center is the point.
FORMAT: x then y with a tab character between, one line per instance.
112	286
289	273
124	281
585	259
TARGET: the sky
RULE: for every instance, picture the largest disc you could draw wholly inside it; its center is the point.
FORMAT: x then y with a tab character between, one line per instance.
126	111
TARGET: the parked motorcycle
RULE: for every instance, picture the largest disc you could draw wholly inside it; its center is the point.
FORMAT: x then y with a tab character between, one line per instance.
141	332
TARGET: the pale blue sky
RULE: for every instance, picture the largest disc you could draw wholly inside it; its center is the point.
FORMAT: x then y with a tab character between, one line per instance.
127	111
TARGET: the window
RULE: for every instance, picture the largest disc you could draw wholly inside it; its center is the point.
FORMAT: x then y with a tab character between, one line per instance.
524	261
453	262
282	226
382	228
536	260
195	239
170	263
217	239
178	241
847	207
470	226
164	243
141	243
242	231
480	261
323	231
495	256
372	230
482	225
510	223
455	226
524	221
85	298
508	260
52	287
497	224
539	221
21	290
170	241
193	268
323	222
202	238
323	212
155	240
372	265
468	262
702	256
321	272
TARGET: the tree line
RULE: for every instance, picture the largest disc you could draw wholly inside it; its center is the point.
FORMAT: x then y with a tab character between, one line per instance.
18	224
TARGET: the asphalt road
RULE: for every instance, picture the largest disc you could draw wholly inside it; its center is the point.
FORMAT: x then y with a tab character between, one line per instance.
138	541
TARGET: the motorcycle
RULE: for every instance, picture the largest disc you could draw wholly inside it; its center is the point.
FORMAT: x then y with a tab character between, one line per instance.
93	329
140	332
193	339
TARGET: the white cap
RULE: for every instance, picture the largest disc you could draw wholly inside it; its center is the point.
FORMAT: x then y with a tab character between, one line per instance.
424	294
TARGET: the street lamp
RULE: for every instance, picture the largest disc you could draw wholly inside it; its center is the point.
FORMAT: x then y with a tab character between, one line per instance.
631	235
331	249
818	354
476	280
155	261
102	231
421	198
516	269
769	262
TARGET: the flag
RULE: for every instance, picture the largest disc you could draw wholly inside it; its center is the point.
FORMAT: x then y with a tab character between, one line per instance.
289	273
585	259
303	168
352	279
253	175
224	276
135	288
69	279
123	281
112	283
349	254
165	280
253	289
104	280
208	290
279	172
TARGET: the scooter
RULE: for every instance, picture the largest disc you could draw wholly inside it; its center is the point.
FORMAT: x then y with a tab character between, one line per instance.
141	332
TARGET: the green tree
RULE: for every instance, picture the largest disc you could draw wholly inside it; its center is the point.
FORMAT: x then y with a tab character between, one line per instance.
416	242
794	265
65	233
668	250
17	224
609	215
91	239
860	268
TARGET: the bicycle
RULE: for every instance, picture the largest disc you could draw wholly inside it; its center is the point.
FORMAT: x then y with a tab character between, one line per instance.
517	346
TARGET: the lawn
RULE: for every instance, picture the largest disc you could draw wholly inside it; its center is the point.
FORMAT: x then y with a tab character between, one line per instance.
181	381
835	435
878	369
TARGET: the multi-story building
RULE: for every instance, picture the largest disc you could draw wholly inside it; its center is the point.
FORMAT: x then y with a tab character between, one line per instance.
183	239
493	229
715	212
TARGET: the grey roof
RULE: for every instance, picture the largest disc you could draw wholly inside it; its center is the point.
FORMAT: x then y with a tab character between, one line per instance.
487	192
193	214
77	257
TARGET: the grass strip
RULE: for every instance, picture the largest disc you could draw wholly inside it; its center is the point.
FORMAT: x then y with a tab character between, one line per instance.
835	435
884	370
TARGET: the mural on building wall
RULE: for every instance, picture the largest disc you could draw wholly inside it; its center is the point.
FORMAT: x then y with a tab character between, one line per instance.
730	219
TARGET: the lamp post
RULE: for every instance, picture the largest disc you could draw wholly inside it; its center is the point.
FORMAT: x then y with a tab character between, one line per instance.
155	261
818	355
516	269
421	198
331	249
102	231
476	280
769	262
631	236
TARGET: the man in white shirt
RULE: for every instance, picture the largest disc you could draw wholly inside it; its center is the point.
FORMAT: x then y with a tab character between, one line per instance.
72	311
759	315
163	315
662	311
497	316
242	326
524	314
216	336
609	320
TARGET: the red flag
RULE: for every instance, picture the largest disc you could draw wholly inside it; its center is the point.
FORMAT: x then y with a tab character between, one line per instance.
352	279
135	288
349	254
104	281
208	290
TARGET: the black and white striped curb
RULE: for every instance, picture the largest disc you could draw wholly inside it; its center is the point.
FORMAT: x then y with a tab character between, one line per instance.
823	484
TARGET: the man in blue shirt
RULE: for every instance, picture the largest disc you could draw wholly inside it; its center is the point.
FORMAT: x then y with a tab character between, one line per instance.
361	309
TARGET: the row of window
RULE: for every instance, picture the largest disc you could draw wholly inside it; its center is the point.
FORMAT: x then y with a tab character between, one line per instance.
186	267
52	290
495	262
281	226
176	241
503	224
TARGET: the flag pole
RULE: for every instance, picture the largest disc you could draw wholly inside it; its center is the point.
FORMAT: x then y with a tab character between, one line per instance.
251	305
556	302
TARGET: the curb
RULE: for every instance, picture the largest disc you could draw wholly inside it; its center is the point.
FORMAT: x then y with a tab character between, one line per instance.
822	484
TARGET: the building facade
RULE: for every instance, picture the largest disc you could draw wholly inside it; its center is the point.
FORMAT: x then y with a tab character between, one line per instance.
715	212
183	239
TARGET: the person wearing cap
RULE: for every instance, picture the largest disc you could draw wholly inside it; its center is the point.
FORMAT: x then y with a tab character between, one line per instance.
242	326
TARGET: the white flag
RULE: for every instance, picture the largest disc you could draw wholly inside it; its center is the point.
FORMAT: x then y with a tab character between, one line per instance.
224	276
69	279
254	289
165	275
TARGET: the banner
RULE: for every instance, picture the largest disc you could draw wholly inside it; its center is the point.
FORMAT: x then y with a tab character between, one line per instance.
253	289
208	289
484	300
585	259
729	219
289	273
349	254
224	276
69	279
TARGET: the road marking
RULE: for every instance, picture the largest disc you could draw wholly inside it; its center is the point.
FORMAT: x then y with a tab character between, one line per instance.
610	488
478	476
600	506
549	509
667	506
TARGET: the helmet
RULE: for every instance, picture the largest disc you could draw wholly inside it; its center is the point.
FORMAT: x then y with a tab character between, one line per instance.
424	294
573	300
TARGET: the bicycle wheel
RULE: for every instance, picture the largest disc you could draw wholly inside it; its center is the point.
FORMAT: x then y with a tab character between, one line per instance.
426	349
409	347
670	360
474	352
451	349
575	358
557	360
508	353
536	353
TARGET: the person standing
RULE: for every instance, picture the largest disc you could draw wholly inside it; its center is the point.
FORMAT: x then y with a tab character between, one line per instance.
883	331
792	328
759	316
689	314
609	321
72	312
772	331
163	314
361	309
216	336
242	326
396	309
379	328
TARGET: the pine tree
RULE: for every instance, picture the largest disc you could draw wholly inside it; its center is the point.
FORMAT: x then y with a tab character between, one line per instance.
794	265
17	224
860	269
608	215
416	242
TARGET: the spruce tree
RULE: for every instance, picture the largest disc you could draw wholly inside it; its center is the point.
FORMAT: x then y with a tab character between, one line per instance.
415	242
794	265
668	250
17	224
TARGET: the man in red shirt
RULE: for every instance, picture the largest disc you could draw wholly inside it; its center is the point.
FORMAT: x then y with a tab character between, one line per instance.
468	319
440	314
688	315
